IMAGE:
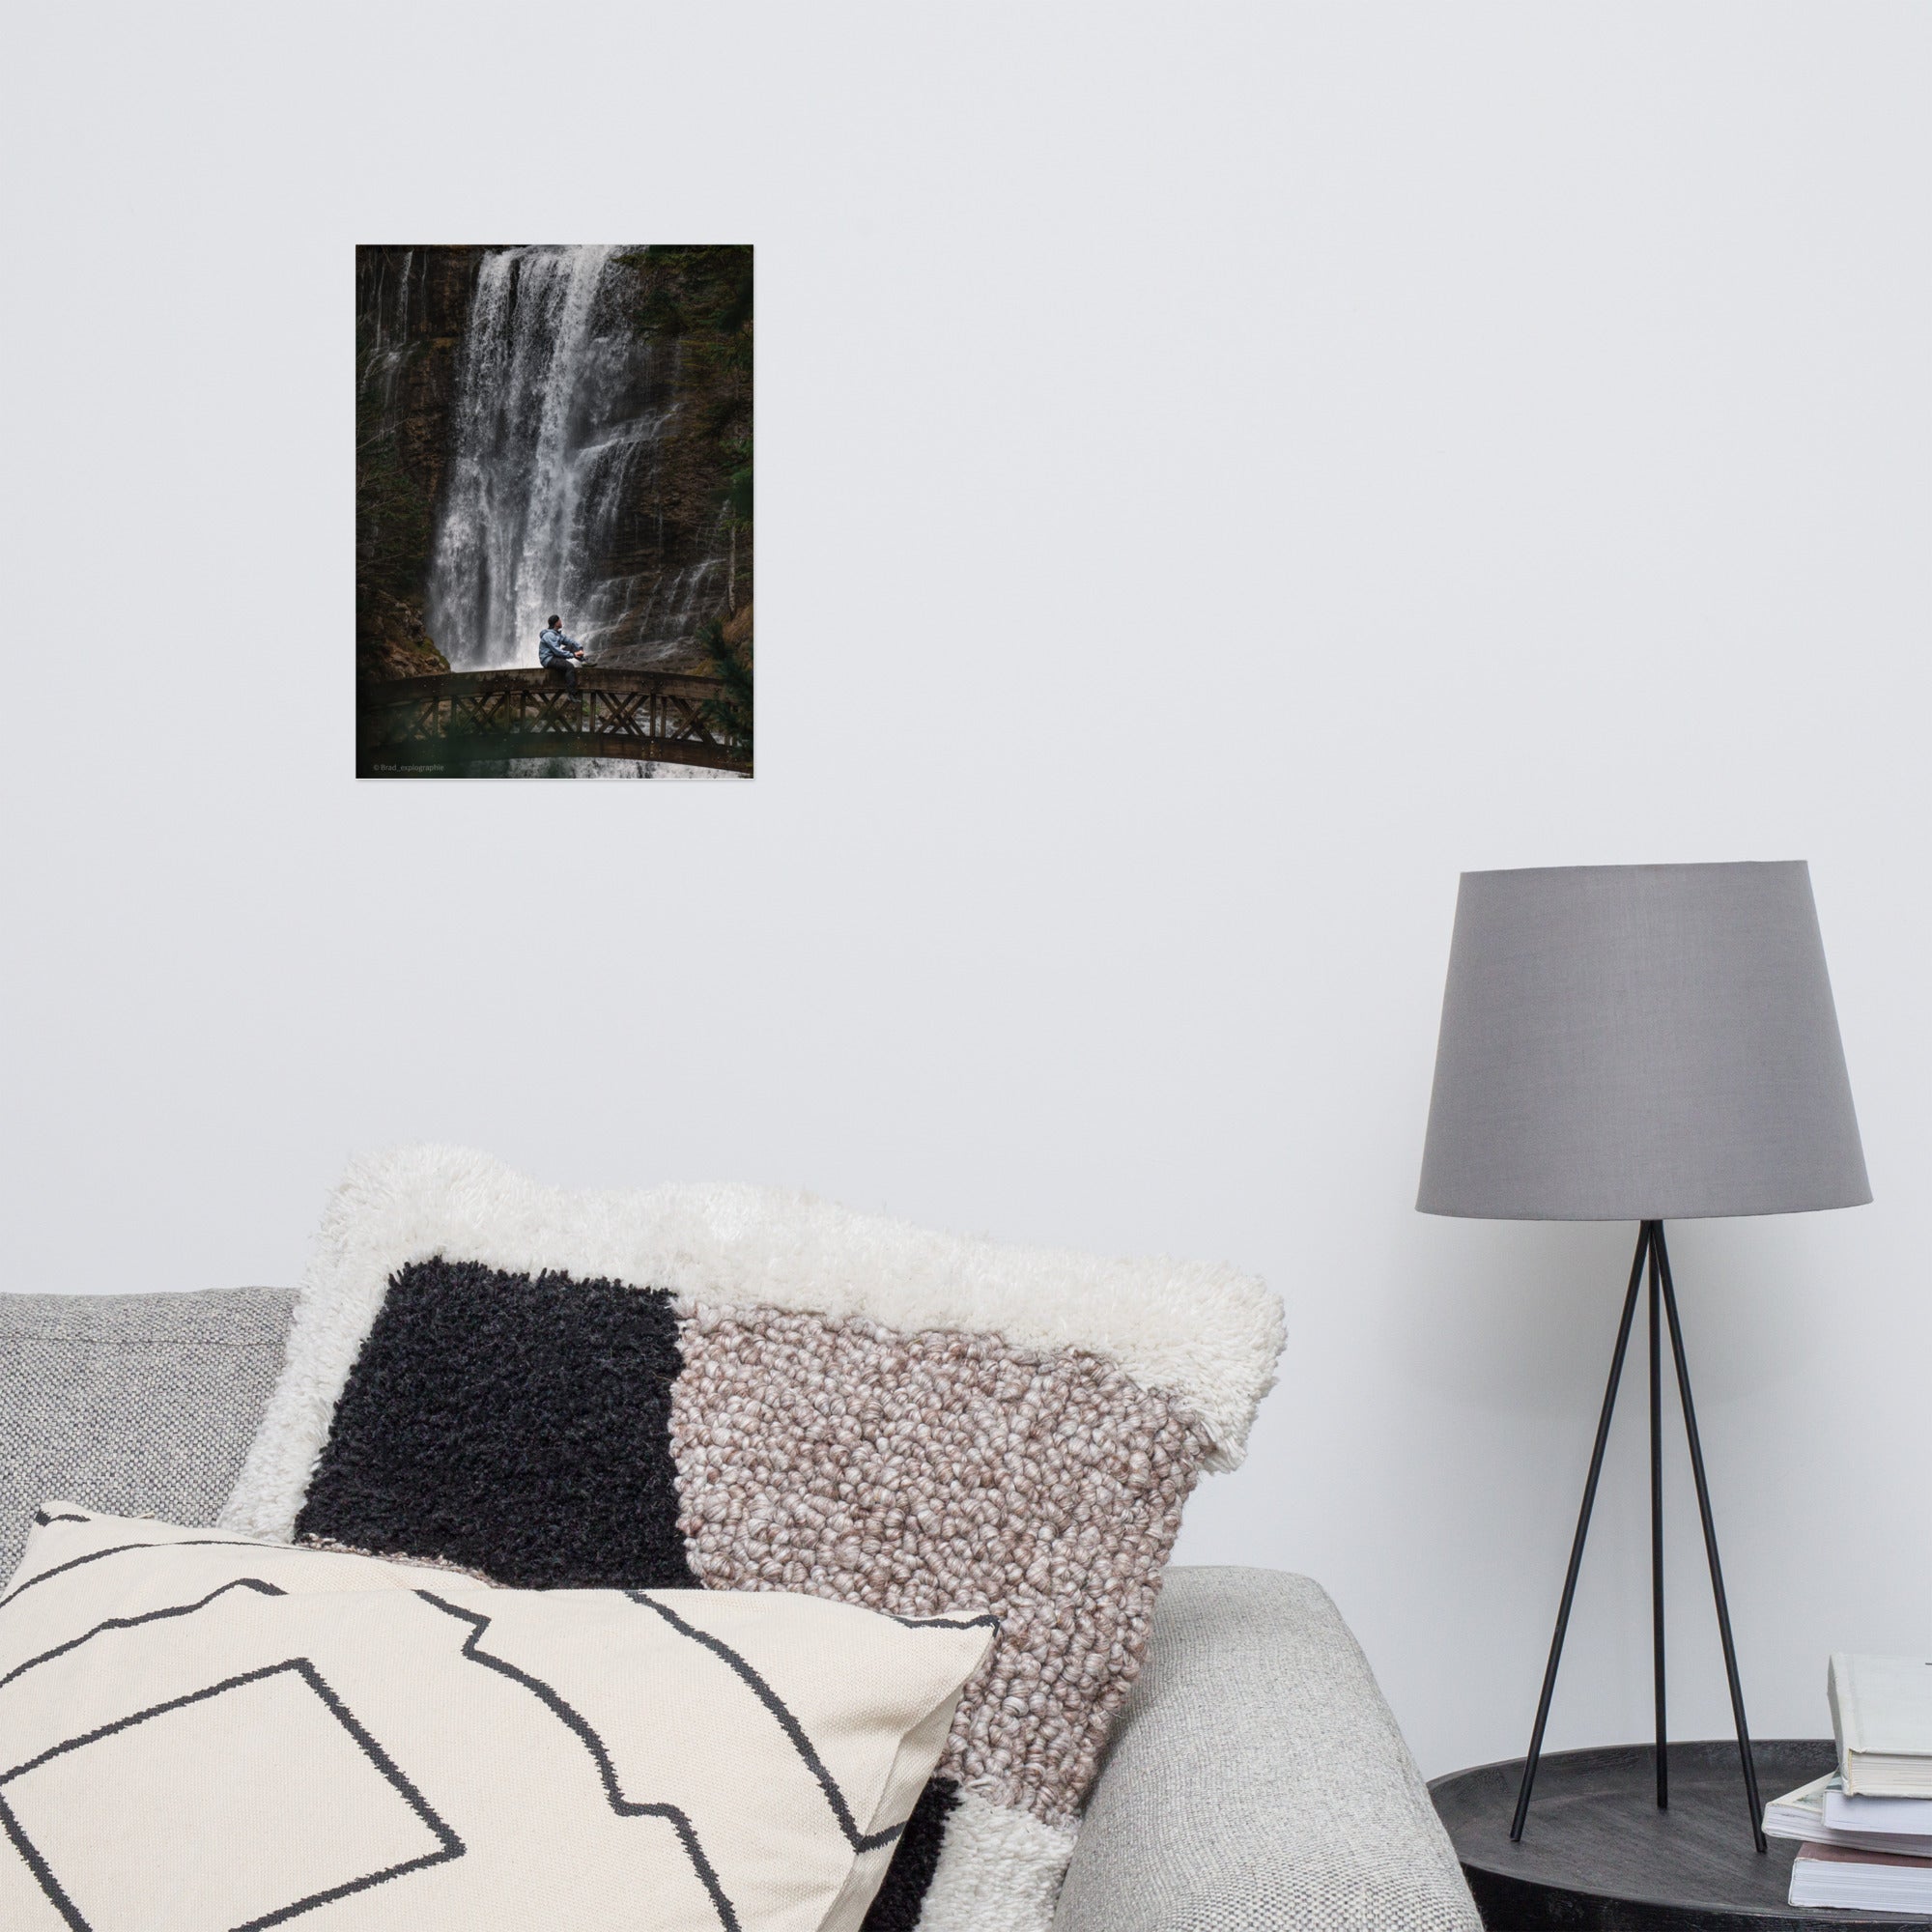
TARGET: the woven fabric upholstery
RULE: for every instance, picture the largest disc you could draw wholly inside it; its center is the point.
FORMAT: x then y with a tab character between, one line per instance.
1257	1781
137	1404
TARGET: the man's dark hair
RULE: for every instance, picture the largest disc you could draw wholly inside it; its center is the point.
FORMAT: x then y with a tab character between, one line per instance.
554	621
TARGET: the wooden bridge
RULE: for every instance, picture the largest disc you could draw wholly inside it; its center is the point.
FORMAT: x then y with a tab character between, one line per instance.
426	727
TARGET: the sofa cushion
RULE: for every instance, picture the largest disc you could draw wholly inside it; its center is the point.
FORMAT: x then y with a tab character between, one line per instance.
751	1389
141	1404
1257	1778
204	1731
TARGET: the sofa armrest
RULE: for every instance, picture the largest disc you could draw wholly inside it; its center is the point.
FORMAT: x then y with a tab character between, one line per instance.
138	1405
1257	1779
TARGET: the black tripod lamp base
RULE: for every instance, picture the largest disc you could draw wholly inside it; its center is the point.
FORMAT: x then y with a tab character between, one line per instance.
1653	1258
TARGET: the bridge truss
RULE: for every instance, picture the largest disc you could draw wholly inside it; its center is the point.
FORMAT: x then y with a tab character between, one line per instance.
449	725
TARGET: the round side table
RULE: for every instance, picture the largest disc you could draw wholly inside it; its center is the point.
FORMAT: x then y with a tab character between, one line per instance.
1597	1856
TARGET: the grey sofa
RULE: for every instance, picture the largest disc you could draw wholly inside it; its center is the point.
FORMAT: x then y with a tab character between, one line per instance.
1255	1778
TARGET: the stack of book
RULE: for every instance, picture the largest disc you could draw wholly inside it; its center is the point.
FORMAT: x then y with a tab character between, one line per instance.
1866	1829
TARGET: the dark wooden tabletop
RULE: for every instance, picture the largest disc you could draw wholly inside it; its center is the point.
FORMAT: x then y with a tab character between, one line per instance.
1597	1856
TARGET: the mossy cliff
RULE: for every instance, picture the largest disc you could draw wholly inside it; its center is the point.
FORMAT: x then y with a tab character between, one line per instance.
411	308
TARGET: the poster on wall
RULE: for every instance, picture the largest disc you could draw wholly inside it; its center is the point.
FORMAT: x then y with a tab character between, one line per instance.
553	511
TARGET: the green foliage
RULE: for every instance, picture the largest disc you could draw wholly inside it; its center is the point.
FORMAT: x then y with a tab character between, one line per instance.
731	710
700	294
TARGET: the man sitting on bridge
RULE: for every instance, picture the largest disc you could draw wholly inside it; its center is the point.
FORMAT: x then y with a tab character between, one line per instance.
556	652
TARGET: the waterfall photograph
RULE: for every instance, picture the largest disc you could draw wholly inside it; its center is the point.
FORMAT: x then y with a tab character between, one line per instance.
553	530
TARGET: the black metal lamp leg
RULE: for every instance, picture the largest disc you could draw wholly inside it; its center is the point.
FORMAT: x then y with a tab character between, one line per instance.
1710	1540
1643	1243
1657	1516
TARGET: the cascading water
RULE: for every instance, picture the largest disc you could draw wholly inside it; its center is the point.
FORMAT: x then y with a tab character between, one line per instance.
559	414
391	345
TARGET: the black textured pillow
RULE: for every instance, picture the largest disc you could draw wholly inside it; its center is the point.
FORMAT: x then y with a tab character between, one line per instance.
514	1425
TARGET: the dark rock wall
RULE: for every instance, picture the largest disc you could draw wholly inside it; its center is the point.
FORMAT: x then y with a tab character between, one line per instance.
410	305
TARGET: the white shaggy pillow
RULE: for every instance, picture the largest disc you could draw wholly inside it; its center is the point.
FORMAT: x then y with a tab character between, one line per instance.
750	1389
200	1732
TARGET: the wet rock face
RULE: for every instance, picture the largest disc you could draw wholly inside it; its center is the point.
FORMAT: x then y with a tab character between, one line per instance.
655	540
411	304
683	539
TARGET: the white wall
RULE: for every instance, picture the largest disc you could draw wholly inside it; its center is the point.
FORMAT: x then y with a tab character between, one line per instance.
1222	472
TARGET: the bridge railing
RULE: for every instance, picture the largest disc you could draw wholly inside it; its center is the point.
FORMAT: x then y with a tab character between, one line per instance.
457	718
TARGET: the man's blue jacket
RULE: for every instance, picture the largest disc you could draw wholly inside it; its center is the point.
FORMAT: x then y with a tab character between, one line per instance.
554	648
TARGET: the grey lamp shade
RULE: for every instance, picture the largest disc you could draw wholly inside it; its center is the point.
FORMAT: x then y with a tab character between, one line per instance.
1639	1043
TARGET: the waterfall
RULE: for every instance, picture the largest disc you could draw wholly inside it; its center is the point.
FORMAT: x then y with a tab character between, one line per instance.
389	351
557	422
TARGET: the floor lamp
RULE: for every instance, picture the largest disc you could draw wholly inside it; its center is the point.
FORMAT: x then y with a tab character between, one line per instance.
1640	1043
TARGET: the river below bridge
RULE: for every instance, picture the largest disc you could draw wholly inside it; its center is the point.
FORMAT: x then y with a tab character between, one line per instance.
601	767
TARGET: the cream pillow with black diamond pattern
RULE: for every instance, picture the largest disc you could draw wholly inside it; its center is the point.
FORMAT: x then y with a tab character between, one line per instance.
200	1733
